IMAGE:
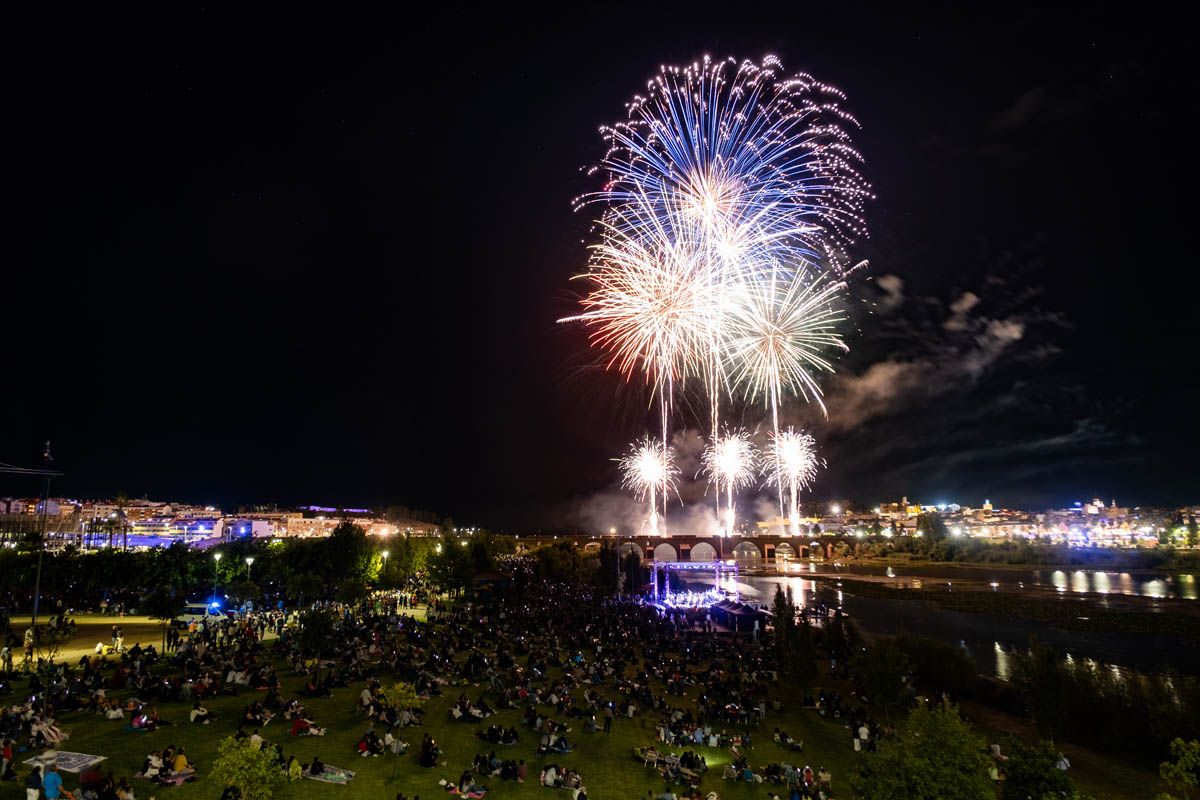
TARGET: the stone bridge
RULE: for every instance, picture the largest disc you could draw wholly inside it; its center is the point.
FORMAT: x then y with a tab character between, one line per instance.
744	549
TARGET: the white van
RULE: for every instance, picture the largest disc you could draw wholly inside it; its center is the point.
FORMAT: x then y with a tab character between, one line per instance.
196	612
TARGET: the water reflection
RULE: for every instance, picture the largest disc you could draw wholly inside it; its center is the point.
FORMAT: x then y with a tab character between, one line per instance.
1058	579
1103	585
1003	668
1155	588
1079	582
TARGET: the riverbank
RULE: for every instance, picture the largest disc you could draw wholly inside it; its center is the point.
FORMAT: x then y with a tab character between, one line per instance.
899	560
1078	612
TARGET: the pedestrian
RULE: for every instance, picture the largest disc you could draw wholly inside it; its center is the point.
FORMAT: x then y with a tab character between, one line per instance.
608	717
33	784
52	784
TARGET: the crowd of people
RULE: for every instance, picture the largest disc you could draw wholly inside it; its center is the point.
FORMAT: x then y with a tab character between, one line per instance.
570	662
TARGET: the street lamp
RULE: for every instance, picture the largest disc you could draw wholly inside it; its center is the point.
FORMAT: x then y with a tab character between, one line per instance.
216	561
249	563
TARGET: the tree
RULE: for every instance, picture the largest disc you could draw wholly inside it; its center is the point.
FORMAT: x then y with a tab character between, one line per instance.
784	612
883	668
316	633
608	573
936	757
635	573
1041	678
301	586
932	526
347	554
1032	771
1184	774
352	592
255	773
451	568
404	695
245	591
1193	531
163	605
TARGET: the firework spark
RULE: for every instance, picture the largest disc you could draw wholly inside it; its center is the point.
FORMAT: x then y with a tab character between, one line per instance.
791	465
779	333
729	462
732	194
757	158
649	471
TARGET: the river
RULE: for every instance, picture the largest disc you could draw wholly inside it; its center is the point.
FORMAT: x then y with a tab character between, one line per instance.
990	640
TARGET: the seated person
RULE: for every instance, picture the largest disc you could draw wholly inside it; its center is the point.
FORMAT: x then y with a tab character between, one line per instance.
199	714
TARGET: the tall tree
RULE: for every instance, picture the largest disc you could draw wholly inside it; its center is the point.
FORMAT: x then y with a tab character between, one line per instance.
1032	771
1042	679
936	756
1182	774
883	668
253	772
163	605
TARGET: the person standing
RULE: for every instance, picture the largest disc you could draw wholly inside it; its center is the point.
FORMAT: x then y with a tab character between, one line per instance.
33	784
608	717
52	783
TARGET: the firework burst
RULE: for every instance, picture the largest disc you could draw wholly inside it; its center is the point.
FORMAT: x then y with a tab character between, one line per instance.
729	462
731	196
649	471
791	465
760	159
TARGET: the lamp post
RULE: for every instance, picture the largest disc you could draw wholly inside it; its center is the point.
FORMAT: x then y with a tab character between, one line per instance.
249	563
216	561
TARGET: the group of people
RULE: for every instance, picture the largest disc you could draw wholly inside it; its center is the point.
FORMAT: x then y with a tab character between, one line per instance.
568	660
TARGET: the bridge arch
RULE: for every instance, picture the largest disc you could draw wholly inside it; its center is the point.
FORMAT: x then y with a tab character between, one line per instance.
665	552
746	551
703	551
629	547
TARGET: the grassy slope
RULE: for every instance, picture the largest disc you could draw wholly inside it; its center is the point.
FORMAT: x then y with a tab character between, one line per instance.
606	762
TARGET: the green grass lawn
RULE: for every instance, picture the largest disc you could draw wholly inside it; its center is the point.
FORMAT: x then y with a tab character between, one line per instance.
605	762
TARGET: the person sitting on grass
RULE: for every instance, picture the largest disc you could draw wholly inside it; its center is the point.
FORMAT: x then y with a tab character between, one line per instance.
430	753
180	764
199	714
152	766
370	745
316	767
302	726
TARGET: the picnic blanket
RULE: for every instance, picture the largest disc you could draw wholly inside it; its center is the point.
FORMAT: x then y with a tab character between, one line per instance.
332	775
66	761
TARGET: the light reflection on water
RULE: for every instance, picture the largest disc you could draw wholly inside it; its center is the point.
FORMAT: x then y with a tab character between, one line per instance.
1079	582
992	641
1159	587
1003	668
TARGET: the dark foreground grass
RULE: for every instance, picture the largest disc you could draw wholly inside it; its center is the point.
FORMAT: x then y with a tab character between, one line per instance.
605	761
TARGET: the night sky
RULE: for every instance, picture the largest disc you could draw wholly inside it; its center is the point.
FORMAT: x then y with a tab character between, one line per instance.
319	259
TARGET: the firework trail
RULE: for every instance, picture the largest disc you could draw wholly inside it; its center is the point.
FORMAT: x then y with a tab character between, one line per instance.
758	159
778	336
729	462
791	464
731	195
649	471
